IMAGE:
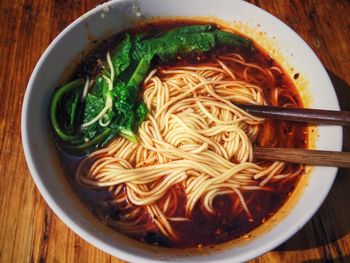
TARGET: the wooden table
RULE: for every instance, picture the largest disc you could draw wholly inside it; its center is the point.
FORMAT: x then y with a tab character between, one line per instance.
30	232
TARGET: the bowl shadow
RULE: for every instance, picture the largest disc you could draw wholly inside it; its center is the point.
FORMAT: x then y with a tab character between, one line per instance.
332	221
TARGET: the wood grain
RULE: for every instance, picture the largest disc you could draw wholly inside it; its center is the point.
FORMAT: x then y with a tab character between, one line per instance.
303	156
30	232
314	116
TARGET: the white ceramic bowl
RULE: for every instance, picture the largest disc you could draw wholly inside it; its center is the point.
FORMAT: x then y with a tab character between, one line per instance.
111	17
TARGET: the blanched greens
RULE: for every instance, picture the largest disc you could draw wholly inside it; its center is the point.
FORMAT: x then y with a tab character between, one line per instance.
86	114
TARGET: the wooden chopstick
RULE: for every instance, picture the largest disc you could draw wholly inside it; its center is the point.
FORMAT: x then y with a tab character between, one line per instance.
303	156
299	114
295	155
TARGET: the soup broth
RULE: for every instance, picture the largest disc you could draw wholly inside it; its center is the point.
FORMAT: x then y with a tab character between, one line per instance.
230	219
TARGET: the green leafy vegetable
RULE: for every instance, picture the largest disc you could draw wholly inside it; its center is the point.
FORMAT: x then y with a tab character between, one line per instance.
189	30
93	106
89	145
124	101
100	87
226	38
168	47
69	107
121	57
140	71
84	120
140	114
64	135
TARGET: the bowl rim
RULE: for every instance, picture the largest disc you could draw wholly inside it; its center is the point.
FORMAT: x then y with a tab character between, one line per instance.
77	228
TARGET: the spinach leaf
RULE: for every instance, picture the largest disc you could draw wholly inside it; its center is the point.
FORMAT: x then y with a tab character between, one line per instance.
68	108
186	30
129	113
189	30
124	100
141	71
99	88
130	121
123	94
121	57
58	115
185	44
176	43
229	39
185	40
140	114
93	106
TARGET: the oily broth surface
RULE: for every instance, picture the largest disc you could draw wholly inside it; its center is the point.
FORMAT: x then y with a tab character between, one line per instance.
228	223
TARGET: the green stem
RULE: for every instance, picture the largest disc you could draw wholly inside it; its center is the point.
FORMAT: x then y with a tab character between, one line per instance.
85	146
53	110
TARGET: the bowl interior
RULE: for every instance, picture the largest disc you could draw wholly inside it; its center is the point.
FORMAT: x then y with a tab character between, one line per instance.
111	17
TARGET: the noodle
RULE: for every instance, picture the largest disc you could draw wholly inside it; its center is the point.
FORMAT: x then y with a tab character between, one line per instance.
194	140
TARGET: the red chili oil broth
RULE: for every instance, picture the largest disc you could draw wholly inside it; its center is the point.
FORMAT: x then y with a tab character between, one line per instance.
230	220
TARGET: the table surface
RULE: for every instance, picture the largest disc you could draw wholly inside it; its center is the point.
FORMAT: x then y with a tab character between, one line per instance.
31	232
